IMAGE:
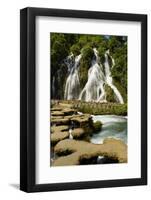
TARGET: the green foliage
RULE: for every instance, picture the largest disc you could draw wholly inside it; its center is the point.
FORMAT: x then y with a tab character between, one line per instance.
119	71
121	89
83	73
113	43
109	94
84	40
97	126
87	52
101	51
87	55
75	49
103	109
118	50
60	49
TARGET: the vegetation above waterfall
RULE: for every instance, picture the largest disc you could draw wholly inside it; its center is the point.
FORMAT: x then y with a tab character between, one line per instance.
63	44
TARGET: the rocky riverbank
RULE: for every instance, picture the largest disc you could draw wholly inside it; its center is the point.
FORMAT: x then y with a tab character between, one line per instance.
77	152
64	118
70	138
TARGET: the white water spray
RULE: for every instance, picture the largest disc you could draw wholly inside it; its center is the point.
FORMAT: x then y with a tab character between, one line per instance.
94	89
109	80
94	86
72	83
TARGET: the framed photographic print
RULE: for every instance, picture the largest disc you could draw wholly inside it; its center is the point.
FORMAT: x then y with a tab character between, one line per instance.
83	95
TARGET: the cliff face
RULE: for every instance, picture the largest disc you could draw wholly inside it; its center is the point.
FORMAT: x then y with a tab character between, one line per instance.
89	67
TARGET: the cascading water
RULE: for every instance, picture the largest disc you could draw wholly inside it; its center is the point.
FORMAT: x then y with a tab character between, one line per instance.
94	89
109	79
72	86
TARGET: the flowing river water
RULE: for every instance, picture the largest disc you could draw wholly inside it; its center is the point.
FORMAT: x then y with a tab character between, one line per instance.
113	127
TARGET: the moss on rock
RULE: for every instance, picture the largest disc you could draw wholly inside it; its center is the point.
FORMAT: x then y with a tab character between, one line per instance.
97	126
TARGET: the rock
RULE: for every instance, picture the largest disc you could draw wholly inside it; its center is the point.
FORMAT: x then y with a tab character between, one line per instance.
58	136
68	117
57	113
56	117
68	111
65	105
60	121
56	109
78	133
84	118
55	129
83	121
72	159
111	148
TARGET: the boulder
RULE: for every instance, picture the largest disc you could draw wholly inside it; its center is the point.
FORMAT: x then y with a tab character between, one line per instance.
84	118
60	121
56	109
111	148
68	111
78	133
58	136
97	126
57	113
56	129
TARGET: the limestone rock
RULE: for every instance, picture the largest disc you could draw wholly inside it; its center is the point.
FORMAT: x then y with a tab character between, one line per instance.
111	148
55	129
57	113
60	121
58	136
78	133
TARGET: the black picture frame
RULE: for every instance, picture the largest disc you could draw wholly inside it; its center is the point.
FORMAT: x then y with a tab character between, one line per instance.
28	99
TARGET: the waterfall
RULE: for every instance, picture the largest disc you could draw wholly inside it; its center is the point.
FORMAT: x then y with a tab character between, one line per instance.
72	86
70	134
94	89
109	79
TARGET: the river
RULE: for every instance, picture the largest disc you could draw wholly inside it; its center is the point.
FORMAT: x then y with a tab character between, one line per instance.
113	127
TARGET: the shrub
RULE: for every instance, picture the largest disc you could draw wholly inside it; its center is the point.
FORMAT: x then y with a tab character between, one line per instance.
97	126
